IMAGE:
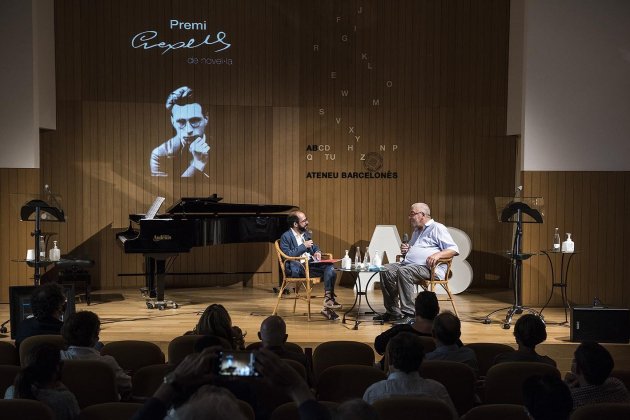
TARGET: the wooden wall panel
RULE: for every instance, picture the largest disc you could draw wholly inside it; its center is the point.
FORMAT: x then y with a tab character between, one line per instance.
592	206
444	110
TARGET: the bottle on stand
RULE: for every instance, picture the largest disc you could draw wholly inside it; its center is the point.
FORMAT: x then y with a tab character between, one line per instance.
568	245
357	259
346	262
42	248
366	259
556	241
55	253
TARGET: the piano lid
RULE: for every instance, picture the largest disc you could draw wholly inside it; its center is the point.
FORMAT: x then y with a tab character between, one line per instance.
211	205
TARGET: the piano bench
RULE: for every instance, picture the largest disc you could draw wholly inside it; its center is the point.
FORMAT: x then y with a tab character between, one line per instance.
73	271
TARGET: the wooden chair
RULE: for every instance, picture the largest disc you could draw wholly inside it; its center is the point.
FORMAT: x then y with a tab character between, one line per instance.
458	379
131	355
25	410
30	343
91	381
306	282
109	411
504	382
9	354
486	352
332	353
435	281
345	382
411	407
602	411
497	412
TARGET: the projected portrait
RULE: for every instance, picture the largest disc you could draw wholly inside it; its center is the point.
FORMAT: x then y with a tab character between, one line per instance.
185	154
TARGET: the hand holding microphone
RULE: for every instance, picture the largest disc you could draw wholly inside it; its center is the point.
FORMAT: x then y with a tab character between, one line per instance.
308	242
404	247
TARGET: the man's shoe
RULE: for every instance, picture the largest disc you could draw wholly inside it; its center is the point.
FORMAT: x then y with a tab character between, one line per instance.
405	320
331	303
329	314
386	317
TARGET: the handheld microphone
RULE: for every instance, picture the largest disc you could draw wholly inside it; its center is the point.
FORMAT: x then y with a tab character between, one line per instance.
307	235
405	239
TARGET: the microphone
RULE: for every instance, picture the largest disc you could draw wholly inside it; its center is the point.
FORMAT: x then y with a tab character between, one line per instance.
405	238
307	235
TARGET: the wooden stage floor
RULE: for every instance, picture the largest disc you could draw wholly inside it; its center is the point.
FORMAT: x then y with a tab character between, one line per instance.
125	316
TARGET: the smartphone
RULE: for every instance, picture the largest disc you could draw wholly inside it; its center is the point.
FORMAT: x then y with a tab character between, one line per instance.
237	363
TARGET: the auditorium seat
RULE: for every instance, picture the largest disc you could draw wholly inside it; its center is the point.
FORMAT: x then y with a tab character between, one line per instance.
409	407
30	343
333	353
7	377
458	379
110	411
9	354
289	411
26	410
486	352
344	382
246	409
497	412
146	380
91	381
504	381
602	411
131	355
288	346
182	346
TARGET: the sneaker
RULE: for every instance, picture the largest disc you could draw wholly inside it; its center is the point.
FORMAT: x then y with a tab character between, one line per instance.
331	303
329	314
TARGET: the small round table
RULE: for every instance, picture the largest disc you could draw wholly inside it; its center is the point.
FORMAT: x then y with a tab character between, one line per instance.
562	284
359	294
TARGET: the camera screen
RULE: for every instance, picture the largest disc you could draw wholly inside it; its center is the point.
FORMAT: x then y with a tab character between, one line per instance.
237	363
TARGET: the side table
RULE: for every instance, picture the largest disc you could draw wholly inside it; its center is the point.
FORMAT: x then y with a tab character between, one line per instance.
563	283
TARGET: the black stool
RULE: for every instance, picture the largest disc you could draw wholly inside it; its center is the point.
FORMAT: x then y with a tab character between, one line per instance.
73	270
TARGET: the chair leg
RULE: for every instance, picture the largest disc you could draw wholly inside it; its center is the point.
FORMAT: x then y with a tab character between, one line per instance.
297	296
450	297
284	285
308	300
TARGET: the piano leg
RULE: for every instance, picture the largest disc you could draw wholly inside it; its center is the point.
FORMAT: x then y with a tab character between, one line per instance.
155	270
149	269
160	265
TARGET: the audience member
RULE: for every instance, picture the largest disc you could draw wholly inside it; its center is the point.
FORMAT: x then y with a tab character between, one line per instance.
447	329
273	335
81	331
529	332
589	379
48	304
405	357
427	308
216	320
547	398
210	403
40	380
355	409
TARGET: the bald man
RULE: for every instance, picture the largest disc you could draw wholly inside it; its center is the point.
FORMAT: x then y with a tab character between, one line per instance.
273	335
429	242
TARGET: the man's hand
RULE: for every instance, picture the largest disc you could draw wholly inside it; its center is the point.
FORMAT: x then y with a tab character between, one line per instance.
404	248
196	368
281	375
317	256
432	260
308	244
199	150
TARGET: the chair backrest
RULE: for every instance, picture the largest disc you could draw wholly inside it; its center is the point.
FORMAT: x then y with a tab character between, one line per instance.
9	354
497	412
448	262
146	380
91	381
287	345
26	410
344	382
458	379
246	409
110	411
182	346
298	367
504	382
289	411
602	411
7	377
332	353
131	355
486	352
30	343
397	408
281	256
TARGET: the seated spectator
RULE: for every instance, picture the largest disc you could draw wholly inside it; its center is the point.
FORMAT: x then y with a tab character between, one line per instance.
81	331
40	380
547	398
216	320
589	379
210	403
273	335
529	332
355	409
48	304
447	329
427	308
405	357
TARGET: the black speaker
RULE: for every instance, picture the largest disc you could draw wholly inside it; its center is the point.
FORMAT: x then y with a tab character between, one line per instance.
600	323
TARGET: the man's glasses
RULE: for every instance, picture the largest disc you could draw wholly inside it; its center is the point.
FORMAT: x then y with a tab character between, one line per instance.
303	220
414	213
194	122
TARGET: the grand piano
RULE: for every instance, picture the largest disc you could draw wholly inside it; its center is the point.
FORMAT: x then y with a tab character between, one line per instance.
197	221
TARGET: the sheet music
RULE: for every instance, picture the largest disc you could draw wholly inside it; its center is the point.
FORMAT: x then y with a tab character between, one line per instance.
154	208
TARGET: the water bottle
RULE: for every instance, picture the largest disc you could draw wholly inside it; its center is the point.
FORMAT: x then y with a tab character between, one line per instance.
366	259
556	241
42	248
357	259
377	260
346	262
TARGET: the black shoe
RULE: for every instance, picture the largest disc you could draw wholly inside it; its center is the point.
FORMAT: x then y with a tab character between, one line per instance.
386	317
405	320
330	314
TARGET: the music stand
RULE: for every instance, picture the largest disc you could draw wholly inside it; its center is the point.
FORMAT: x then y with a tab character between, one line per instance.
519	211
